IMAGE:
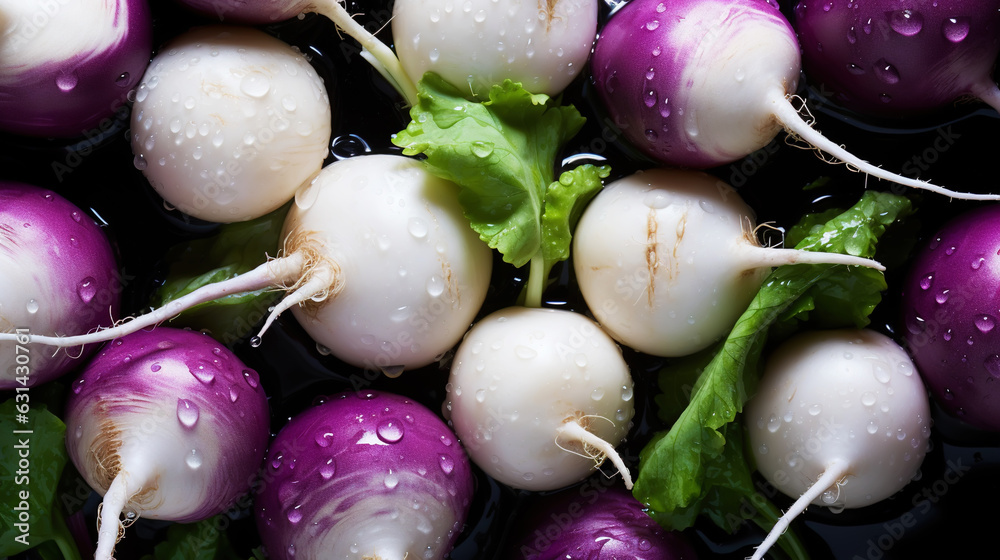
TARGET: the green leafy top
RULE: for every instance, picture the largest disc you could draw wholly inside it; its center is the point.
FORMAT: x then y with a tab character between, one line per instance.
32	493
697	466
502	152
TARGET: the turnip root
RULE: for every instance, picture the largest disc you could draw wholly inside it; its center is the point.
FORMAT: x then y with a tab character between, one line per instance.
59	275
381	265
364	476
228	122
167	424
540	397
840	419
700	83
667	260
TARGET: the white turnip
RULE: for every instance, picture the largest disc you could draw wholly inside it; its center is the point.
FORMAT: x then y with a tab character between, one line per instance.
840	419
381	265
228	122
667	260
540	397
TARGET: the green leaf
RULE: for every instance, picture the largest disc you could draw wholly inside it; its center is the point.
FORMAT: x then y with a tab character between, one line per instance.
678	475
195	541
30	470
501	152
234	249
565	201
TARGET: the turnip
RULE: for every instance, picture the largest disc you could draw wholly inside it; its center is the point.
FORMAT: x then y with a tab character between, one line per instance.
66	67
668	259
59	275
473	44
228	122
840	419
950	309
608	524
700	83
364	476
381	265
540	397
166	424
900	60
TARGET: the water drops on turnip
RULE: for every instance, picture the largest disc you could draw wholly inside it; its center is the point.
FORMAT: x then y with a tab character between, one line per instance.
228	122
153	425
540	397
364	475
59	275
668	259
840	419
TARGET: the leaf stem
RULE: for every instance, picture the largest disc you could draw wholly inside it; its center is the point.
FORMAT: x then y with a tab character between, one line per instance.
538	274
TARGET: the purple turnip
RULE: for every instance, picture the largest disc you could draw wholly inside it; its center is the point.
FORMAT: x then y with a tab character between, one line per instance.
364	476
67	66
898	60
701	83
950	311
59	275
166	424
596	524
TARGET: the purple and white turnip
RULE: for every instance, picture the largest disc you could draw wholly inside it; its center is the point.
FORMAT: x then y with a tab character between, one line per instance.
900	60
166	424
950	307
59	275
701	83
362	476
66	67
841	419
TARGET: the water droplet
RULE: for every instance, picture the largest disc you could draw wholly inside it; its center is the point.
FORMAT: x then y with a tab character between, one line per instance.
447	464
435	286
985	323
927	281
255	84
391	480
482	149
868	398
950	250
906	22
193	459
389	430
597	394
78	385
773	423
295	514
251	377
652	25
852	35
32	306
434	55
886	71
955	29
187	413
881	372
255	341
651	135
417	228
627	393
525	352
855	69
87	289
650	98
203	373
481	395
815	409
291	550
327	469
942	297
872	427
992	365
122	80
